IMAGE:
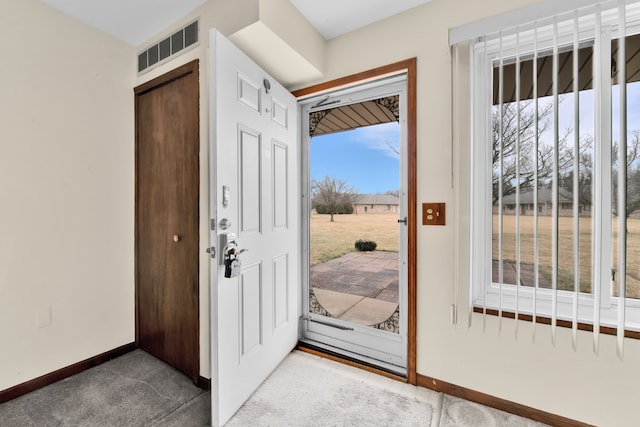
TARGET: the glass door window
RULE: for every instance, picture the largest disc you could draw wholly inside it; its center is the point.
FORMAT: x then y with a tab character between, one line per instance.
355	295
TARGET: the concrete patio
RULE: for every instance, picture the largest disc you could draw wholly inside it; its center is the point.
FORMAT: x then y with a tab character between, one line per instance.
359	287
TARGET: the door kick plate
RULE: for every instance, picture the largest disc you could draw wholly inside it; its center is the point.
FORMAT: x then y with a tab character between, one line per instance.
343	328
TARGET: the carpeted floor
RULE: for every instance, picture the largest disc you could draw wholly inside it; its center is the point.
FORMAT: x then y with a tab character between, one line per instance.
330	394
133	390
305	390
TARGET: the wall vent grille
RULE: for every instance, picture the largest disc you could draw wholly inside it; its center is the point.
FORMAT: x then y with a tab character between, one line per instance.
174	44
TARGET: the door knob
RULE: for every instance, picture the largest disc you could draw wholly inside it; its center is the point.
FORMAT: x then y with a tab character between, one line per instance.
176	238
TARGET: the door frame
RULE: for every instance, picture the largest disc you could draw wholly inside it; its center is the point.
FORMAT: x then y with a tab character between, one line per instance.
408	66
190	67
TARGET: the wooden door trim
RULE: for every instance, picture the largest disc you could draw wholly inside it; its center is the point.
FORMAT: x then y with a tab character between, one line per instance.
408	66
190	67
168	77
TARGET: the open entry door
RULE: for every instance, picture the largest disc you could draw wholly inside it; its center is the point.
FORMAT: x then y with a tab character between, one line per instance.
255	213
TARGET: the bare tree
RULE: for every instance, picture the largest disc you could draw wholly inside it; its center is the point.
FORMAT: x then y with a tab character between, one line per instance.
515	156
355	201
585	171
391	147
633	175
333	194
518	138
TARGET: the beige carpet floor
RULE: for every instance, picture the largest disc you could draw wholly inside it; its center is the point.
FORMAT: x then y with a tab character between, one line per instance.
307	390
137	390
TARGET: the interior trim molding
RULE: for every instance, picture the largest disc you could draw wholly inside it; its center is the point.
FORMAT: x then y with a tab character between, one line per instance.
60	374
497	403
204	383
408	66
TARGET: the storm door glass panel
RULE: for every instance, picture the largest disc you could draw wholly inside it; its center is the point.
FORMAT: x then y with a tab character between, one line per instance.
355	207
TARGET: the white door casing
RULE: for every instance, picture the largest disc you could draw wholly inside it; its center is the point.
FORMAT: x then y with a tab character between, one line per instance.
254	154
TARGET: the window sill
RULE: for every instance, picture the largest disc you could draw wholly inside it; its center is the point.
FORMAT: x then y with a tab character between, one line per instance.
545	320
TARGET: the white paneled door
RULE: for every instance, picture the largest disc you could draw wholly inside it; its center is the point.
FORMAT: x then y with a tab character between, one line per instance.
254	170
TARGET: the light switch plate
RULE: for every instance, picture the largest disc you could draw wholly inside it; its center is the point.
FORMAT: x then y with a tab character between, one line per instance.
433	214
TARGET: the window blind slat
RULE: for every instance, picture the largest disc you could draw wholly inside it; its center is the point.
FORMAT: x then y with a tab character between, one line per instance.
622	177
576	185
501	181
536	133
554	226
600	150
454	137
518	155
489	156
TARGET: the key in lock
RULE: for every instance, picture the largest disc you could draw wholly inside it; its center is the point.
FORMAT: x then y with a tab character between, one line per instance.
235	268
231	265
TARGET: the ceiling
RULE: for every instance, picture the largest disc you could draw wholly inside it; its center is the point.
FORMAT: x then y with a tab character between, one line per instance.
136	21
133	21
336	17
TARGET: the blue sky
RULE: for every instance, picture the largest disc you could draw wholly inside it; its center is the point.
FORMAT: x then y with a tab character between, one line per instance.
360	156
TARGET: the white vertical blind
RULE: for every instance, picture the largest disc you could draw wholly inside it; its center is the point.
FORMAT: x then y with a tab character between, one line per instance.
536	136
488	179
535	12
518	154
556	159
576	183
454	126
538	67
501	180
622	174
600	179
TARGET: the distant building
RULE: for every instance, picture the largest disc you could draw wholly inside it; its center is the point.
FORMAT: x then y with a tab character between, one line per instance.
545	203
376	203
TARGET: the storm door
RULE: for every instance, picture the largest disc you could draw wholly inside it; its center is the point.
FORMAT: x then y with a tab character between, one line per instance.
355	226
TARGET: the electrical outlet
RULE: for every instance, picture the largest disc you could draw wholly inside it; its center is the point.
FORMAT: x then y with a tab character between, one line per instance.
433	214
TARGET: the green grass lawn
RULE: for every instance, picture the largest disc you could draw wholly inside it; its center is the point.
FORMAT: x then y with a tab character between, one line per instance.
331	240
565	249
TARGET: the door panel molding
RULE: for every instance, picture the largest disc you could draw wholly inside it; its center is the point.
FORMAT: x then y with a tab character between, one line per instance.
280	202
250	167
409	67
250	303
280	268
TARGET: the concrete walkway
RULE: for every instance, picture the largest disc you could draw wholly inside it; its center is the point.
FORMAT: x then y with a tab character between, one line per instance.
359	287
509	275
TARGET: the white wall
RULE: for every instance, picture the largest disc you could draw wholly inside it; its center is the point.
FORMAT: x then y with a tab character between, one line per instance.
598	389
66	191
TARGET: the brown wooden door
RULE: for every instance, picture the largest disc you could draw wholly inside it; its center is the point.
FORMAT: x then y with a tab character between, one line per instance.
166	220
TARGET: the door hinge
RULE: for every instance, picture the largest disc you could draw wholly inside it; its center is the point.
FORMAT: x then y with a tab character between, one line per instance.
212	251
